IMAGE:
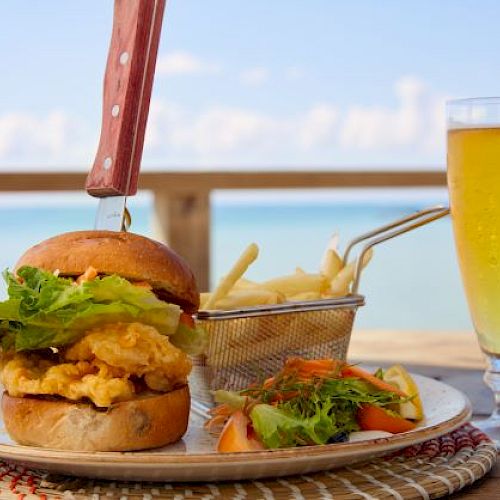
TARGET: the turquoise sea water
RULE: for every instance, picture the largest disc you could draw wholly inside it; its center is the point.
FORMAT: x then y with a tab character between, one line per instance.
412	282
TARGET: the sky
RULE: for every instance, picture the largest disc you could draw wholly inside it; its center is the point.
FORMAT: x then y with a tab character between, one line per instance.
260	84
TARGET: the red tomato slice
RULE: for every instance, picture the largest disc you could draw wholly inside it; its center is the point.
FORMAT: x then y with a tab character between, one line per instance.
186	319
374	418
235	435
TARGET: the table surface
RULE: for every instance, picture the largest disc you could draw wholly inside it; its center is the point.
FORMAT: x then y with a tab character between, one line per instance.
453	357
429	353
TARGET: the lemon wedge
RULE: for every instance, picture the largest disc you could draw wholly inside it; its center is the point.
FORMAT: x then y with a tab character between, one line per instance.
399	377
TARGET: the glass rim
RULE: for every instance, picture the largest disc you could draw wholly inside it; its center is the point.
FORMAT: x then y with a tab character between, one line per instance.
470	101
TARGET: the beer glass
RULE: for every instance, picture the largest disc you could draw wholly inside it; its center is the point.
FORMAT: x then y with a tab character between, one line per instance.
474	188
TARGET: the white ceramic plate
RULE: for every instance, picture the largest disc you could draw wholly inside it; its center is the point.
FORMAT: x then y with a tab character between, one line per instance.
194	459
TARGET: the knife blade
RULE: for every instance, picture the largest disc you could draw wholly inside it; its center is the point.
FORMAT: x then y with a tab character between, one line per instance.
128	83
111	214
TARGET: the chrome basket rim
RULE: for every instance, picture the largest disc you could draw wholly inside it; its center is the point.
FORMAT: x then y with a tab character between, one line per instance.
349	301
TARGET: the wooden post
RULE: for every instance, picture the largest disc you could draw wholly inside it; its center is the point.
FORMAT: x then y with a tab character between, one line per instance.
182	220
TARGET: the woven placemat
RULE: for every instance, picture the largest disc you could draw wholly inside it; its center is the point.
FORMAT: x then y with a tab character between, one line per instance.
430	470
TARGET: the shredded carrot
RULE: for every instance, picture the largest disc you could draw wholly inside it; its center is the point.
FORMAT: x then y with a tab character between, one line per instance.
285	396
307	369
220	414
268	382
142	284
356	371
89	274
222	409
215	423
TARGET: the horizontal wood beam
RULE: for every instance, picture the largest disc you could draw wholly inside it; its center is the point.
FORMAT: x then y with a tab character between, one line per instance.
203	181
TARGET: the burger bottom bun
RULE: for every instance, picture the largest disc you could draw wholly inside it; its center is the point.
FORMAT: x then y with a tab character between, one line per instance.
150	421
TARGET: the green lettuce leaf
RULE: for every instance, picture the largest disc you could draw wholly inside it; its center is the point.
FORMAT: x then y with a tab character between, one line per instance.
320	413
230	398
44	310
10	310
190	340
278	428
353	390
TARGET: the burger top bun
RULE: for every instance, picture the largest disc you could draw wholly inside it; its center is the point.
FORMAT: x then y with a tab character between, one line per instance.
129	255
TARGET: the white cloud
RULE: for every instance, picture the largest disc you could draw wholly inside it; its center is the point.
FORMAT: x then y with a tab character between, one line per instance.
184	63
216	130
163	124
254	76
417	120
413	126
222	132
28	137
408	131
318	126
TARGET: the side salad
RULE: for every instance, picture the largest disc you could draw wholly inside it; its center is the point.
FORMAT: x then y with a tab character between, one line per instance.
315	402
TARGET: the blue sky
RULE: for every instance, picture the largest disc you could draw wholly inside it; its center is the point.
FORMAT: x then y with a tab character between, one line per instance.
322	83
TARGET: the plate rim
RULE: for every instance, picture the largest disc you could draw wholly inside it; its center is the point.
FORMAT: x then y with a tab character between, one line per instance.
34	455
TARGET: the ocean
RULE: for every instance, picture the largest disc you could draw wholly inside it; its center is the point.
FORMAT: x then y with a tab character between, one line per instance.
412	282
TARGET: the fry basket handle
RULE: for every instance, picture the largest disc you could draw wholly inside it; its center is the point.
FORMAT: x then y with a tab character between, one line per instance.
389	231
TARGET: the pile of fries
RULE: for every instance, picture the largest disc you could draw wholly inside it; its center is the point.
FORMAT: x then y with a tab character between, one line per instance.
234	292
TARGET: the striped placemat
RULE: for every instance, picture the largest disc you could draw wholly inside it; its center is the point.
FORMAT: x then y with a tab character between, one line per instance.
432	469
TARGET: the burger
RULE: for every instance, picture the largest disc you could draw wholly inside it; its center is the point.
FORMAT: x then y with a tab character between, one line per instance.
96	334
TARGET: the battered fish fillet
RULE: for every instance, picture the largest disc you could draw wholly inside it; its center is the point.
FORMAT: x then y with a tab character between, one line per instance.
137	349
25	375
99	366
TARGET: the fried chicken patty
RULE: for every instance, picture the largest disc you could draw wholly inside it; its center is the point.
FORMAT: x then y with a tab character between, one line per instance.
103	366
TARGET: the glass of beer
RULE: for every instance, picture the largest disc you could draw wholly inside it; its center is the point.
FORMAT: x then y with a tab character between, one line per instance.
474	188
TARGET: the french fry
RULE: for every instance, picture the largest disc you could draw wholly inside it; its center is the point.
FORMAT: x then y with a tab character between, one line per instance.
299	297
234	291
250	297
244	284
237	271
294	284
331	264
339	285
204	296
332	244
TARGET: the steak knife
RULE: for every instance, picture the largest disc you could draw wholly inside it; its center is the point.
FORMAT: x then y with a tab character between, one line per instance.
128	83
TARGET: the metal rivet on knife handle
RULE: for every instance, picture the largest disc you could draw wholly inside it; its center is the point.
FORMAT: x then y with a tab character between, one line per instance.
124	58
107	163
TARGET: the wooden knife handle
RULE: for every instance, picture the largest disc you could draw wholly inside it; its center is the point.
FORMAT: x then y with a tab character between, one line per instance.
128	82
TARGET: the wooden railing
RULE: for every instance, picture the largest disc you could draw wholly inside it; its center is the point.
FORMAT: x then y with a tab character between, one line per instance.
182	199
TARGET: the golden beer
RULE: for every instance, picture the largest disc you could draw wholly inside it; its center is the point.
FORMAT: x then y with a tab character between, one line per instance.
474	187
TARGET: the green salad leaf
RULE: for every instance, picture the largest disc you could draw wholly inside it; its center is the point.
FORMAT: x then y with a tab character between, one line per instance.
316	412
44	310
191	340
231	398
279	428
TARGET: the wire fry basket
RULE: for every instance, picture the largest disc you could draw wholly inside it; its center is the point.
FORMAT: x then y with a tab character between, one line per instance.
253	343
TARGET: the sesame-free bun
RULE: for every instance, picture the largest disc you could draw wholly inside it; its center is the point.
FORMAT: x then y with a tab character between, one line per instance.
129	255
149	421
